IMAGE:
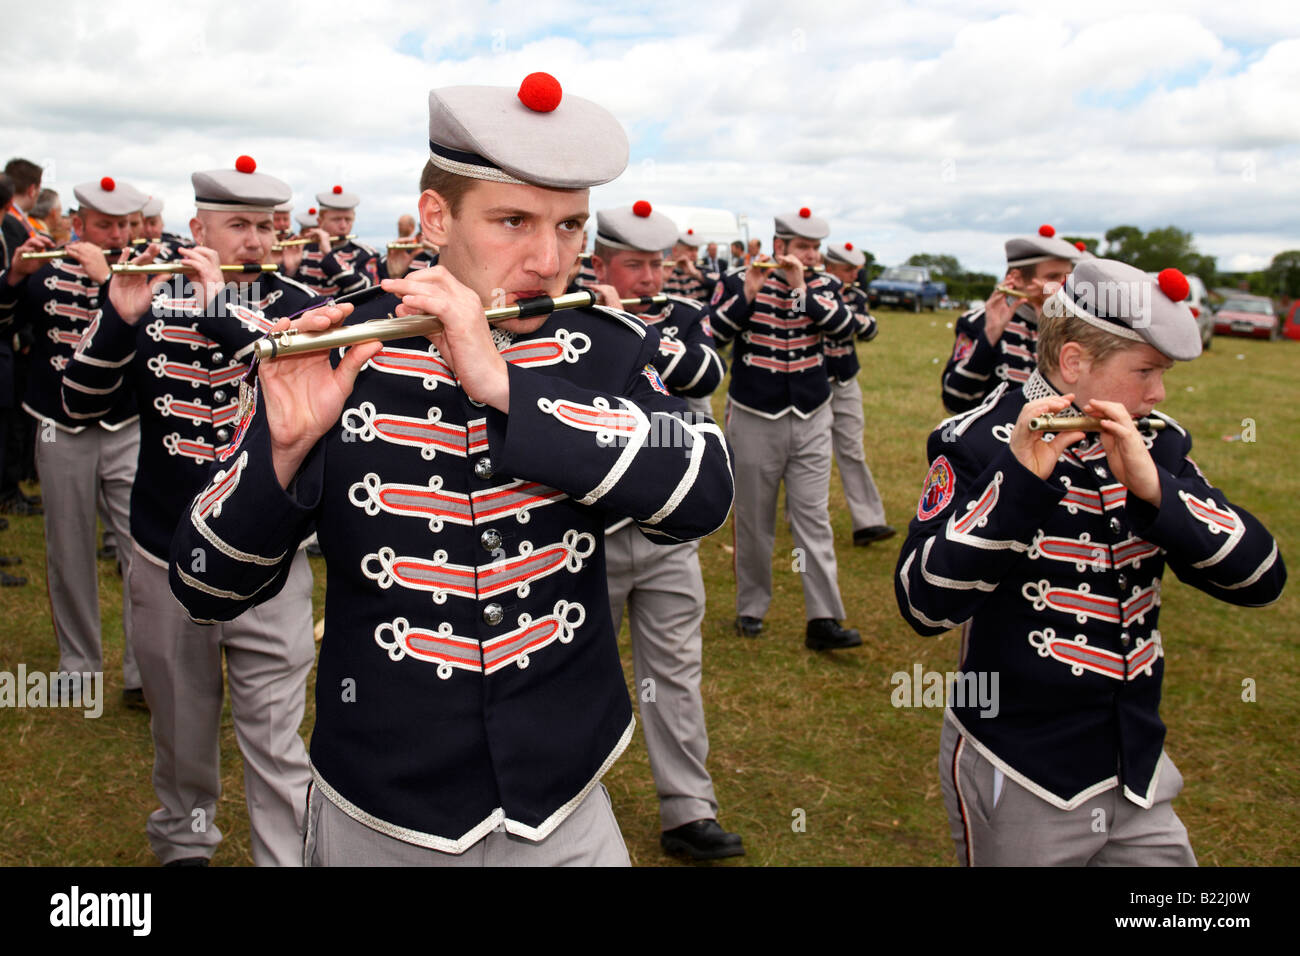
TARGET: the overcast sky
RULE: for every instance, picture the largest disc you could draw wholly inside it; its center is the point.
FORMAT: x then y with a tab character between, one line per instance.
940	127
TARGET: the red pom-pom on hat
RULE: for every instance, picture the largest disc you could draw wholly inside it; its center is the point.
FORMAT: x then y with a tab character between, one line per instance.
540	92
338	190
311	211
1046	231
245	164
107	184
641	208
805	213
1173	284
848	246
1081	246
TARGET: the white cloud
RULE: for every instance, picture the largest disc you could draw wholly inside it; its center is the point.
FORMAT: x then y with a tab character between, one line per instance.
940	128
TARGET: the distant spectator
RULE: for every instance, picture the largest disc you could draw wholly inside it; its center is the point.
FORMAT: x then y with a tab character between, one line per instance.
47	213
6	197
737	253
405	227
26	178
755	249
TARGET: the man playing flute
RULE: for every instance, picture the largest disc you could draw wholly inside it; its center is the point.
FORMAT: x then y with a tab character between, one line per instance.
469	691
79	459
1048	552
662	588
182	349
996	342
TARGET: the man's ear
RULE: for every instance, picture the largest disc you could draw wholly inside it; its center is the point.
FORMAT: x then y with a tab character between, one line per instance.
435	217
598	267
196	231
778	247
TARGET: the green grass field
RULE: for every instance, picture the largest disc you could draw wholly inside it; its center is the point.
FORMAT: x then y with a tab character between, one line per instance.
792	730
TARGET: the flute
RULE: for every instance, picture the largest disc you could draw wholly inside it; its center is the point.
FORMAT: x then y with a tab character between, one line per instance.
1086	423
306	241
64	254
405	244
291	342
1015	293
175	268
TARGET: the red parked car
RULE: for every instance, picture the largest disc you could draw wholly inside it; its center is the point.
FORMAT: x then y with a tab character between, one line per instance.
1251	316
1291	327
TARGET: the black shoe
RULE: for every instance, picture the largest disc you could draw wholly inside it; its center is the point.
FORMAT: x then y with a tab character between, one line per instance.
314	551
107	553
18	505
189	861
864	536
11	581
825	634
702	840
748	627
8	562
133	699
4	524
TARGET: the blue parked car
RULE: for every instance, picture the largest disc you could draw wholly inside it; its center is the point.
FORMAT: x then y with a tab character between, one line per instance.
906	287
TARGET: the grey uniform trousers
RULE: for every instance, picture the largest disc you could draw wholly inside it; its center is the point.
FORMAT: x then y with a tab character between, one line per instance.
663	591
269	651
860	492
997	822
766	452
589	836
77	472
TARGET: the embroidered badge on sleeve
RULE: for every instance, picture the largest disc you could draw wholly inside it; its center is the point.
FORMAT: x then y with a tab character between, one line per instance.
964	347
652	376
939	488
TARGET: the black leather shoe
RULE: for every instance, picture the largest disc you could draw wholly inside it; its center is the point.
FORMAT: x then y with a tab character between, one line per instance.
864	536
189	861
702	840
133	698
107	553
825	634
8	562
11	581
749	626
4	524
18	505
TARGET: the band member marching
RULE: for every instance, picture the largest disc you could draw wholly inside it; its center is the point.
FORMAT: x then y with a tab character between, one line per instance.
1048	551
469	691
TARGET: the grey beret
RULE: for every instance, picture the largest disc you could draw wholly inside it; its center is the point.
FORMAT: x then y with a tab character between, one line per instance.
241	188
286	206
1125	301
1026	250
802	224
687	237
845	253
152	208
336	198
533	136
636	227
110	197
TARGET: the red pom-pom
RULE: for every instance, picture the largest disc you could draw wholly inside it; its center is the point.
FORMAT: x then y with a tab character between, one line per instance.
641	208
245	164
311	211
805	213
848	246
1081	246
540	92
690	232
107	184
1046	231
1173	284
338	190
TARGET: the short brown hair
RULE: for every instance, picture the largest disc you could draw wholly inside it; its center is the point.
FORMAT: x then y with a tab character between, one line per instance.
24	173
1054	331
450	186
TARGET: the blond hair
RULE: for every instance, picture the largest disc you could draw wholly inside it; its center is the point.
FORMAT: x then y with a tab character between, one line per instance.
1054	331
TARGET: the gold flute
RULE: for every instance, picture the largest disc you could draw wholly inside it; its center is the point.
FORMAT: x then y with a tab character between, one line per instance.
307	240
291	342
64	254
405	244
173	268
1014	293
1086	423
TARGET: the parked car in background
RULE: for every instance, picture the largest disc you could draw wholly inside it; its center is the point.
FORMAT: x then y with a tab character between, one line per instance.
906	287
1291	325
1249	315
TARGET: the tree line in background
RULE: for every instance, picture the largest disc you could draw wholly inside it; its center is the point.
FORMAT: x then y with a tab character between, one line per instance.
1151	251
